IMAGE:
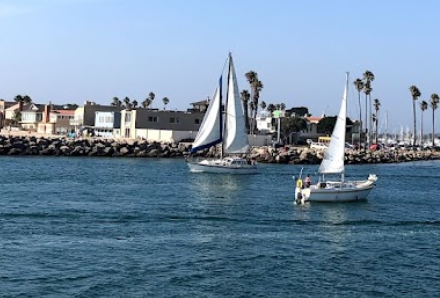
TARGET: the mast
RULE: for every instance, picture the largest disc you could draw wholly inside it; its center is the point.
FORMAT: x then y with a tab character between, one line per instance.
345	119
222	113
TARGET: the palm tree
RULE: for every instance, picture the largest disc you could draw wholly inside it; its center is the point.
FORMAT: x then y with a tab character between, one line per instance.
165	101
256	87
245	96
17	117
18	98
376	117
368	78
271	107
151	97
115	102
415	94
423	107
263	105
367	91
27	99
252	77
127	102
146	103
359	85
434	106
135	103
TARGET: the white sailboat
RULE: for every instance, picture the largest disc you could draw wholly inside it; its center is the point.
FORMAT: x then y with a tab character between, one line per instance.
228	130
339	190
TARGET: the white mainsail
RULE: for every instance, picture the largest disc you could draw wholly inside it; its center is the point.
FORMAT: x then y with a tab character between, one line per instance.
210	132
235	138
334	156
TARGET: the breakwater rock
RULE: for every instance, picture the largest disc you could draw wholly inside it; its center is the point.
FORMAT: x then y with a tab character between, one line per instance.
60	146
30	145
305	155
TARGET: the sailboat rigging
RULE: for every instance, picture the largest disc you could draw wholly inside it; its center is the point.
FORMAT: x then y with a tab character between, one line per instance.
333	164
227	129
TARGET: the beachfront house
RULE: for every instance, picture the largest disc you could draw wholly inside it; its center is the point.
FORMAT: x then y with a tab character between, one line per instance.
31	115
3	106
85	116
60	118
105	123
266	122
159	125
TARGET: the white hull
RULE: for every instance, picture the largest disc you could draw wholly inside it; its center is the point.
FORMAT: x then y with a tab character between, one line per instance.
337	192
220	167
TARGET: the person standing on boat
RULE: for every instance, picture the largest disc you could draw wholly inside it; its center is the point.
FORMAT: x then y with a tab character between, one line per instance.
307	181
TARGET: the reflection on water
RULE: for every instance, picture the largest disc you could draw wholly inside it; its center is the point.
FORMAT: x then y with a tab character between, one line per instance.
213	186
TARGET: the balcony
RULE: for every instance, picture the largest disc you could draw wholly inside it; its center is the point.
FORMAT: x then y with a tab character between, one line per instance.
76	122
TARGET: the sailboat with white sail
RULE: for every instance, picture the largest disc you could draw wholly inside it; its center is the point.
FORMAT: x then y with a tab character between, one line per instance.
338	190
226	129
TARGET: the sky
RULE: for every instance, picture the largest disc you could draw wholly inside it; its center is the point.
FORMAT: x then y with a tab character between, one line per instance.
71	51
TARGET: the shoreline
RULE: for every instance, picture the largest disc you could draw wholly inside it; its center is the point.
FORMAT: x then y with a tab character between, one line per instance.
44	145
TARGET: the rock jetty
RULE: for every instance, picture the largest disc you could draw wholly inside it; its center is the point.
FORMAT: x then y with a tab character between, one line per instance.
61	146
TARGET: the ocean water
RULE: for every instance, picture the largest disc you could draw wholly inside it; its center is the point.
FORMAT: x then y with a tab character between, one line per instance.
121	227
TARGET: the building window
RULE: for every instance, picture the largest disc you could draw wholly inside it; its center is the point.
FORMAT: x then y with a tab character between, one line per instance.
153	119
127	117
197	121
174	120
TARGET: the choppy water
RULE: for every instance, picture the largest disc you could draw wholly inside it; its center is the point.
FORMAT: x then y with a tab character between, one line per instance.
98	227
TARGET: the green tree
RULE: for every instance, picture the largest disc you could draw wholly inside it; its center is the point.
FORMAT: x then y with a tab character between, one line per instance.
298	112
135	103
415	94
17	117
27	99
434	105
245	96
271	107
263	105
18	98
292	124
165	101
71	106
327	124
281	106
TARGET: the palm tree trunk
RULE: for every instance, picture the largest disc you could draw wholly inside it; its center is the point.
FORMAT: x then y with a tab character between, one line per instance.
415	125
360	117
433	128
370	127
421	130
366	122
246	116
377	121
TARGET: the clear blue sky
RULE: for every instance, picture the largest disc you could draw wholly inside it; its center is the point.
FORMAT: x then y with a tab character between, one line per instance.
70	51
